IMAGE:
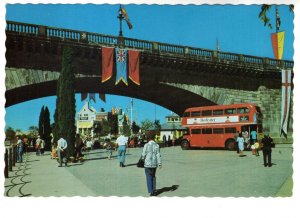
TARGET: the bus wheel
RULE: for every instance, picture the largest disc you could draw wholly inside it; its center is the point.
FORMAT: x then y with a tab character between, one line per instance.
185	145
230	144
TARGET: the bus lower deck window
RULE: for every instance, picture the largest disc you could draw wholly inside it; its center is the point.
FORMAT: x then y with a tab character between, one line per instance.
230	130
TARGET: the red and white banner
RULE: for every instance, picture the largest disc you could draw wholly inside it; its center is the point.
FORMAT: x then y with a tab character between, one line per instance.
286	99
107	63
134	66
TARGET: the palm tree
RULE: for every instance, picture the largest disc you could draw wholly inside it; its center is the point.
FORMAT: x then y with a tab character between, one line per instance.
264	11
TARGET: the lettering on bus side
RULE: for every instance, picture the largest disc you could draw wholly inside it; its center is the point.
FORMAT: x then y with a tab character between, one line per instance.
223	119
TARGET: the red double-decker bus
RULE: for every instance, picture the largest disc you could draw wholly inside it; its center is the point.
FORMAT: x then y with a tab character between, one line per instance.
215	126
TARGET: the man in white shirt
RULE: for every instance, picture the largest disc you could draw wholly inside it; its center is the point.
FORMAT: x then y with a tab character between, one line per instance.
122	142
61	151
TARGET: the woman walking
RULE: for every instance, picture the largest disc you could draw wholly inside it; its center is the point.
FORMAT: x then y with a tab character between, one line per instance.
152	158
240	141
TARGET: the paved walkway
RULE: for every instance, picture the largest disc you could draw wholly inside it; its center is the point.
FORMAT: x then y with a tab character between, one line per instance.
207	173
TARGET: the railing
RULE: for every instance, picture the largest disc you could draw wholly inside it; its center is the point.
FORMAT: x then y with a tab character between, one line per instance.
100	39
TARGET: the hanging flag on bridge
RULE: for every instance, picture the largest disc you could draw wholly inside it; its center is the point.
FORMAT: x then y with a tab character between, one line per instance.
134	66
121	65
124	12
286	99
102	97
107	63
83	96
277	44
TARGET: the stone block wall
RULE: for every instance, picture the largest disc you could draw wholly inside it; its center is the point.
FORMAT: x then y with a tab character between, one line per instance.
269	100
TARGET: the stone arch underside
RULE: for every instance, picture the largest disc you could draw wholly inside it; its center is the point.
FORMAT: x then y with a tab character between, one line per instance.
24	84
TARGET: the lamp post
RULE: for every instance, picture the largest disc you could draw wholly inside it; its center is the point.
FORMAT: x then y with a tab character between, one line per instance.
120	17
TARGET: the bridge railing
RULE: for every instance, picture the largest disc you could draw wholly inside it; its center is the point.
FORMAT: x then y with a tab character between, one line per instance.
143	45
22	28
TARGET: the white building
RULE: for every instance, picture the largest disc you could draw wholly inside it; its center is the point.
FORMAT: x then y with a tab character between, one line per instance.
88	116
172	128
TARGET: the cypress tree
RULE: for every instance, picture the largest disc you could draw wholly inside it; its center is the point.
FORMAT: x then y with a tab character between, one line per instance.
55	128
47	129
41	123
65	108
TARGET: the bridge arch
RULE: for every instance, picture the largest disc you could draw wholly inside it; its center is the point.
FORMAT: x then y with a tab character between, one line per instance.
37	84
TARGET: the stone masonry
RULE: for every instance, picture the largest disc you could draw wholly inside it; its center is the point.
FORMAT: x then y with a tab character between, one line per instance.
269	100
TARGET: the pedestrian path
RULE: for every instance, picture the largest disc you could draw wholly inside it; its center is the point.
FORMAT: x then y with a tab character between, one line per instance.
40	176
198	173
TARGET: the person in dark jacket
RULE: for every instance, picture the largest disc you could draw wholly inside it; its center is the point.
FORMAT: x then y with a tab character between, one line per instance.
267	144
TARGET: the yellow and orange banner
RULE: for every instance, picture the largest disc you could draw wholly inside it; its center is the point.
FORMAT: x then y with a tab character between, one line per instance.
277	44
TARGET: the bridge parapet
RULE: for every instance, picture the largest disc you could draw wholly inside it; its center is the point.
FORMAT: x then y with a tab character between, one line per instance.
147	46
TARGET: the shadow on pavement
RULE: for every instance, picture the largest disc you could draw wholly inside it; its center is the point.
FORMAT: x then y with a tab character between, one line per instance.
103	158
166	189
129	165
31	161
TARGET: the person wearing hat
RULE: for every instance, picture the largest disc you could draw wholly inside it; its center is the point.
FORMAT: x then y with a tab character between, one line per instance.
267	144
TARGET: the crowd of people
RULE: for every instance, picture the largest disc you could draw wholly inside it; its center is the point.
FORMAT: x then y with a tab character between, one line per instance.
265	144
150	153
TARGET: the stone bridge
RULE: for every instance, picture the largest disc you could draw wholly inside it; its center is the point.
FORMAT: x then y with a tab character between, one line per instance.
175	77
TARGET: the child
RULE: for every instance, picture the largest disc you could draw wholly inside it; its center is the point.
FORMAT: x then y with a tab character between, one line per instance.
256	145
109	149
53	152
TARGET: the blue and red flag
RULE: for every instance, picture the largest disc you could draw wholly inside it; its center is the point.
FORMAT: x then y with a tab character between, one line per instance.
121	65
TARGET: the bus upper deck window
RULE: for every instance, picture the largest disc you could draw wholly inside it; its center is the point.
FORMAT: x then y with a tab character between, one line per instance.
218	112
207	113
243	110
195	113
230	111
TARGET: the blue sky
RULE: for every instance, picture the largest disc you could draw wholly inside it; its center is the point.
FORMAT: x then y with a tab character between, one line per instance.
237	28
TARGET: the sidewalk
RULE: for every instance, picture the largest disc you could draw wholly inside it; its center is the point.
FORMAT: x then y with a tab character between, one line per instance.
40	176
198	173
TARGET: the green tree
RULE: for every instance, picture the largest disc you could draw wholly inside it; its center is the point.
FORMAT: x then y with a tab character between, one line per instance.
146	124
33	132
47	129
65	104
126	129
135	128
10	133
41	122
157	126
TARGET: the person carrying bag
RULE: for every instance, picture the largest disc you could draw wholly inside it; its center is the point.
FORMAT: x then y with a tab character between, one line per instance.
152	160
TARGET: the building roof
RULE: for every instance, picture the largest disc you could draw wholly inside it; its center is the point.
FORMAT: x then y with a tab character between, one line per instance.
170	126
